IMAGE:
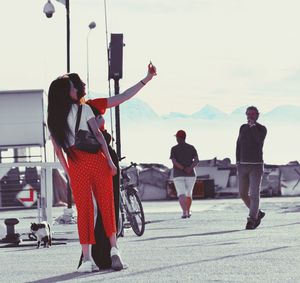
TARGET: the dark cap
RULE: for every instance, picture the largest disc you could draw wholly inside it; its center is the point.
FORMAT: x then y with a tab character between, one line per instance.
181	134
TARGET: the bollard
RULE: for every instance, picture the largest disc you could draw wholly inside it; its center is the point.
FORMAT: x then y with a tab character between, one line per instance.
11	236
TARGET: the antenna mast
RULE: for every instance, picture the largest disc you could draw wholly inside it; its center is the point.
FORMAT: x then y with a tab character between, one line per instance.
109	87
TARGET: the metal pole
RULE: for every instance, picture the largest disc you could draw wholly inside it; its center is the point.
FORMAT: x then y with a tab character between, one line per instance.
49	193
68	71
87	66
117	114
68	34
15	155
92	25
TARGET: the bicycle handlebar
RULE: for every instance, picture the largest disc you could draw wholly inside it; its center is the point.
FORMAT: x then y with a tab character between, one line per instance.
121	158
132	164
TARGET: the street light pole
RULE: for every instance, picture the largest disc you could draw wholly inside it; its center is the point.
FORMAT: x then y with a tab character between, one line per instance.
49	10
92	25
68	34
67	4
116	73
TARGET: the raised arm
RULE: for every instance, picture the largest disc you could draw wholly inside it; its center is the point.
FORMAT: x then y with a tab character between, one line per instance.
132	91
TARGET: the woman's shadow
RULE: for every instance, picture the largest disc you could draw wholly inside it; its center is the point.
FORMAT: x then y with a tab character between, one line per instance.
70	276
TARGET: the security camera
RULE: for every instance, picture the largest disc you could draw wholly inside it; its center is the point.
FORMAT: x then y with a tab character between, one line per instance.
49	9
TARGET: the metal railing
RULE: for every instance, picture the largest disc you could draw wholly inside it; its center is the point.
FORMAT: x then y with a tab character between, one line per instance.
42	185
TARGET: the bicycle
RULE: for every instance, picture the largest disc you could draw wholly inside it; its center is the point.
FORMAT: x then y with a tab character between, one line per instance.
131	210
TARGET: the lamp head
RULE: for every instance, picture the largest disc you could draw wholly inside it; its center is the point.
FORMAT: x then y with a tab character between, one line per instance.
49	9
92	25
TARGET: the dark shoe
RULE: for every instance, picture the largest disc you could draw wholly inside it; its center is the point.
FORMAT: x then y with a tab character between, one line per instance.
184	216
116	260
251	224
260	216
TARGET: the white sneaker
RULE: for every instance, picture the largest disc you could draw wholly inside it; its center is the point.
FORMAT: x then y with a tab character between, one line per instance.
116	260
95	267
85	267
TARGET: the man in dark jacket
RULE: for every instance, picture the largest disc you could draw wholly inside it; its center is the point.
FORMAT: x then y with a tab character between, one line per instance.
250	165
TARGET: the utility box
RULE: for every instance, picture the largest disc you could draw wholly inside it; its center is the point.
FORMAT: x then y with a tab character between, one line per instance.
22	120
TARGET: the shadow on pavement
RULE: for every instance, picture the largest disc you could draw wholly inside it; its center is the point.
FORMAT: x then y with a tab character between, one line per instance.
280	225
208	233
158	269
26	245
69	276
165	228
214	243
188	235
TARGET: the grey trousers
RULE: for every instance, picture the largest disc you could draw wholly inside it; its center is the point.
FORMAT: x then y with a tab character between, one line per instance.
249	177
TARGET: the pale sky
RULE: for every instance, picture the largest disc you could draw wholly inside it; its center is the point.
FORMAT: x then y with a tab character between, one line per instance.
226	53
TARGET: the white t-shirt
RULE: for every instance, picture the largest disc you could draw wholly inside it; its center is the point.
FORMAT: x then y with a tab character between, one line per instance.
86	115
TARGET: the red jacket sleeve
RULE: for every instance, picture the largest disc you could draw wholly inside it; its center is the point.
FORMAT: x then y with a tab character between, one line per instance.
99	103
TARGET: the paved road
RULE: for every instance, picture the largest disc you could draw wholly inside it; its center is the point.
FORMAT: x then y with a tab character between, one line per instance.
211	246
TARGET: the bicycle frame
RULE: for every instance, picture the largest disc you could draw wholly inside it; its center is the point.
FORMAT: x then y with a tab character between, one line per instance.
130	205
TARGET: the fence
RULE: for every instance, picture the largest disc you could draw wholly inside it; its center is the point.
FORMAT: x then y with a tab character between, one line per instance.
28	184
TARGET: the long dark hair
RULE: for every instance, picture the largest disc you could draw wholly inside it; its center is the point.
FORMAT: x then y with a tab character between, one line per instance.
59	105
78	84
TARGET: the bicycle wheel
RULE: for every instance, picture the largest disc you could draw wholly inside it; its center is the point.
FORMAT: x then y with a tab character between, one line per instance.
135	213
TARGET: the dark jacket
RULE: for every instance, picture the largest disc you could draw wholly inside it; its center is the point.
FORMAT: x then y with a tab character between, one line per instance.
249	146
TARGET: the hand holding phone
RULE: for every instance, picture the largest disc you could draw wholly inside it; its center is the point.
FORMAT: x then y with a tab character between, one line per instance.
152	69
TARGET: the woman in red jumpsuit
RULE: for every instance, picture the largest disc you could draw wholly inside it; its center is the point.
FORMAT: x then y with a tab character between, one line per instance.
84	168
101	249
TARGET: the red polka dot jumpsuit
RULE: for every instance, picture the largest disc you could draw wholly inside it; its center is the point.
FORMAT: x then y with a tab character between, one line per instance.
90	173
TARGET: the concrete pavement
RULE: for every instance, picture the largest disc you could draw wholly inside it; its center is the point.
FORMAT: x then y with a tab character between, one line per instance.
211	246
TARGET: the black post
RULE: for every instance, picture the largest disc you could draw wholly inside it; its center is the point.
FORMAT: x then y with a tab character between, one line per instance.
115	72
68	34
117	114
16	155
69	197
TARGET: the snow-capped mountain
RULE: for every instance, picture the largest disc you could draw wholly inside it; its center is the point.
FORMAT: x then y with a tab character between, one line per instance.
240	111
148	137
175	115
209	112
139	111
135	111
284	113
